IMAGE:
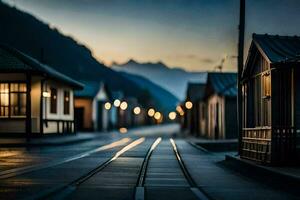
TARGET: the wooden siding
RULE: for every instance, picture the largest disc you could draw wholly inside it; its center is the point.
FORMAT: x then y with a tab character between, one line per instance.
231	118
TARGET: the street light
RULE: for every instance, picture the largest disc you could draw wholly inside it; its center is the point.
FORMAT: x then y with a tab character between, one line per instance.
188	105
117	103
123	130
157	115
151	112
107	105
137	110
172	115
123	105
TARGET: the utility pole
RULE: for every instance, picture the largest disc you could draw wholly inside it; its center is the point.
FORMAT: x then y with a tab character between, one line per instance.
240	68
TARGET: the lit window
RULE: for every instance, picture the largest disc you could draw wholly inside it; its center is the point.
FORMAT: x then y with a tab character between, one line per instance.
66	102
12	99
53	101
267	85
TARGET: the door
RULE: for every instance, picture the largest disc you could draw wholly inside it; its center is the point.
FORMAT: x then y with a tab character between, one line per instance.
79	124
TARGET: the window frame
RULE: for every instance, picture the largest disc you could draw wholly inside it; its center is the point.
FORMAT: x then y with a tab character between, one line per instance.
67	104
9	106
51	102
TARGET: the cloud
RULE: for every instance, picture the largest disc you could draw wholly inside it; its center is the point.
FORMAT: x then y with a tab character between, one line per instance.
193	57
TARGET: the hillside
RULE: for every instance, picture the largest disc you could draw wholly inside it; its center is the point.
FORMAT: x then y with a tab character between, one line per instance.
163	100
37	39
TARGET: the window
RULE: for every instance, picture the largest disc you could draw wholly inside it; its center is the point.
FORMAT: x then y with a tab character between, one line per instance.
66	102
12	99
267	85
53	101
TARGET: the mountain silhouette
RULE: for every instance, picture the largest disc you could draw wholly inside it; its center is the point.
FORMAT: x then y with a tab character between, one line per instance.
164	101
37	39
174	80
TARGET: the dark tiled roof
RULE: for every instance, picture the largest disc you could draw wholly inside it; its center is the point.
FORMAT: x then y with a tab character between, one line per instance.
12	60
223	83
279	48
195	91
90	90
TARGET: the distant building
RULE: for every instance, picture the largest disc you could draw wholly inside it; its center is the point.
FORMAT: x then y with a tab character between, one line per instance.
271	99
221	98
116	96
34	98
92	107
195	116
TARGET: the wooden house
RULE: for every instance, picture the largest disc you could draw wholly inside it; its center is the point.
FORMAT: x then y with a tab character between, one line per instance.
196	115
221	98
271	99
34	98
92	107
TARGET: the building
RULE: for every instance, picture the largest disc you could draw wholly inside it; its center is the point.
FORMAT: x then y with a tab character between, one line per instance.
196	114
271	99
34	98
92	107
116	96
221	96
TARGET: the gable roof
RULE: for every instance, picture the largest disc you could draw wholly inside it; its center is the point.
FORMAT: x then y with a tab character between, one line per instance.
278	48
91	89
12	60
223	83
195	91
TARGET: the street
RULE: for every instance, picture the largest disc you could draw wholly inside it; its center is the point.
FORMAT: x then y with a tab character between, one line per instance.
146	163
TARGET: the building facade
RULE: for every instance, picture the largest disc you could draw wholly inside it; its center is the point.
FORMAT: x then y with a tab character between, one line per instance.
90	111
221	107
271	100
196	115
34	98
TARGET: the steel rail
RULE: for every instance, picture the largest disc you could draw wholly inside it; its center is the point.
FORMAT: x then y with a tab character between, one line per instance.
200	194
63	191
139	189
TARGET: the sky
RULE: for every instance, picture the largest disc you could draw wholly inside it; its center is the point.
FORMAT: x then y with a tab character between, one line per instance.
192	34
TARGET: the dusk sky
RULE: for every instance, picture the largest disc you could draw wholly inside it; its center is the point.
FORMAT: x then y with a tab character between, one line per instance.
192	34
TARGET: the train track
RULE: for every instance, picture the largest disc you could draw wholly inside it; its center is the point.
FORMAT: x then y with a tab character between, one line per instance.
200	194
139	189
63	191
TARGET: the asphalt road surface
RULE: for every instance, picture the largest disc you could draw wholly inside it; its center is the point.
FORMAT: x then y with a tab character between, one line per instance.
147	163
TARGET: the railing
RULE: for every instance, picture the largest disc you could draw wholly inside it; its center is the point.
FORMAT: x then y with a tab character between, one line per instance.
266	144
284	144
256	144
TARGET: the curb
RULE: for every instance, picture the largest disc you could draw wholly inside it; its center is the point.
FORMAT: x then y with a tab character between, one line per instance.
248	168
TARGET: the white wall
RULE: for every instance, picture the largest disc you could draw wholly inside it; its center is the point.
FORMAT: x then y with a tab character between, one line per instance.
101	96
59	115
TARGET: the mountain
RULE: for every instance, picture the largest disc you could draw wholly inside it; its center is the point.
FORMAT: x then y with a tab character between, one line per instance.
37	39
174	80
164	101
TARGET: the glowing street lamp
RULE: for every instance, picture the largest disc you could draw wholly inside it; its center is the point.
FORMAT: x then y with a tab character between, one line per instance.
188	105
137	110
107	105
172	115
123	130
151	112
157	115
123	105
117	103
